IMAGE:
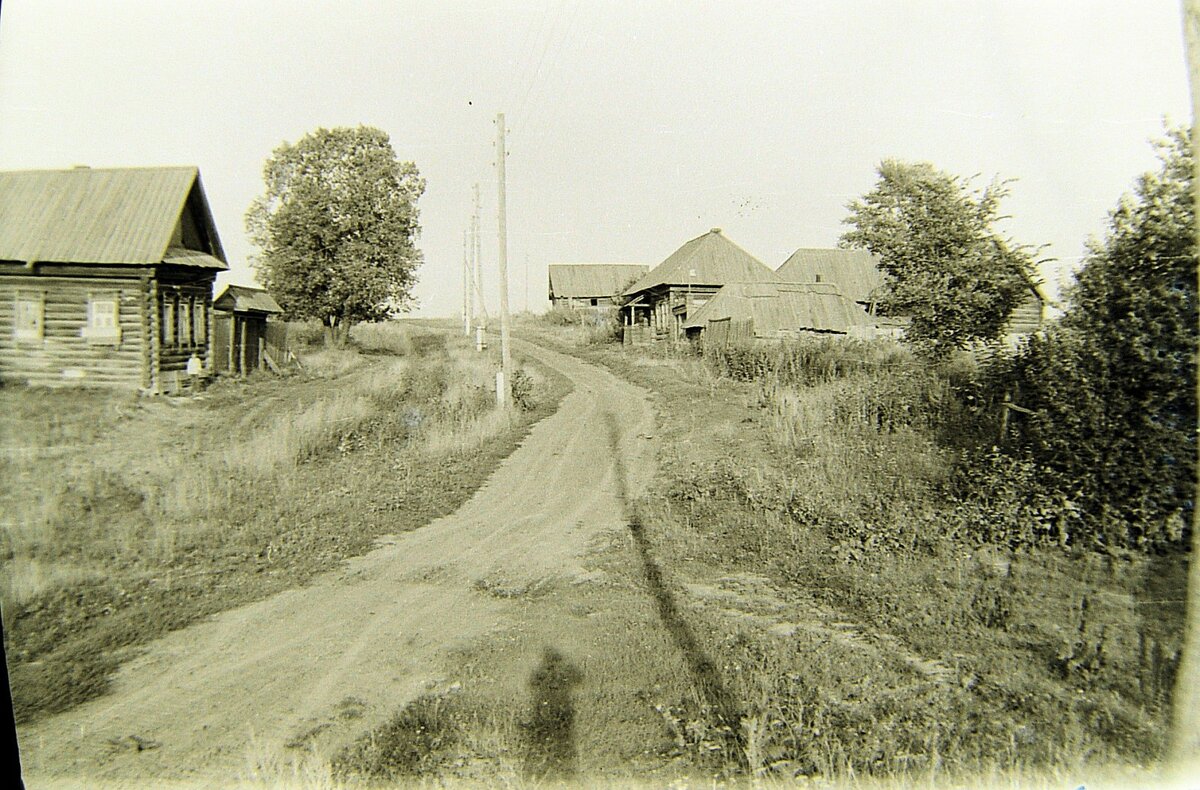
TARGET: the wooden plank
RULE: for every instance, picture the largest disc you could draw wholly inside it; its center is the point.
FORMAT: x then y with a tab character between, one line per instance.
270	362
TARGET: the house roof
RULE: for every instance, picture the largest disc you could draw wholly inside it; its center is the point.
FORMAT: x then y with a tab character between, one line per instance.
244	299
711	259
855	272
114	216
592	279
780	307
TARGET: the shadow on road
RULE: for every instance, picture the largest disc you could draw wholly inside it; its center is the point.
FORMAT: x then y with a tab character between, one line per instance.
705	675
550	731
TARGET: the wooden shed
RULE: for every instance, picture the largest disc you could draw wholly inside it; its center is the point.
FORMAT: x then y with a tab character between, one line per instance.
591	286
240	316
106	277
770	311
661	301
855	272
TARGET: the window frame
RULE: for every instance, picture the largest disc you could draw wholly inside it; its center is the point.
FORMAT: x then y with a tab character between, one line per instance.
37	332
105	333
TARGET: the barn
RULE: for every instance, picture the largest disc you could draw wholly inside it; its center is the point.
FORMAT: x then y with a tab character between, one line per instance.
855	273
745	312
240	316
106	277
660	302
591	286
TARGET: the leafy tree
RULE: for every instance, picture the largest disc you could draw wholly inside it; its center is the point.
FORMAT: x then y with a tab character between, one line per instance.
336	228
1113	386
947	268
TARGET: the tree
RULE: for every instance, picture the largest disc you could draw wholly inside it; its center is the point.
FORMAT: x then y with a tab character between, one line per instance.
336	228
1113	385
946	267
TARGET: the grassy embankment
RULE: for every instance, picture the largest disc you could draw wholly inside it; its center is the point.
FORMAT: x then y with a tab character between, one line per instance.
125	518
828	579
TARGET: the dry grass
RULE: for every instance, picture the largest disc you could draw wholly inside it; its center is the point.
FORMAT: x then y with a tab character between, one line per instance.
123	518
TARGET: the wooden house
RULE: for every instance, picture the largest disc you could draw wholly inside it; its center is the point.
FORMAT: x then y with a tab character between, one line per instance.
660	302
106	277
855	273
746	312
240	329
593	287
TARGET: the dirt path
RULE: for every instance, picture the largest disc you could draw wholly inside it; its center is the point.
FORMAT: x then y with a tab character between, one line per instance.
320	665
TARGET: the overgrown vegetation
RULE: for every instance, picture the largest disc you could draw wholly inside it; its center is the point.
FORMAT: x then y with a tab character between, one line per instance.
1112	386
929	608
127	518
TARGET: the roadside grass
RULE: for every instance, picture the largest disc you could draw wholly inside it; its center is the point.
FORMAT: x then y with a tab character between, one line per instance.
892	635
128	518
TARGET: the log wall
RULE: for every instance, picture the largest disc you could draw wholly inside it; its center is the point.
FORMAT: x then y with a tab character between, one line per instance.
64	355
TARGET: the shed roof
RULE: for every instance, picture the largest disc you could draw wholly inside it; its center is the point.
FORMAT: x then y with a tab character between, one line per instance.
114	216
245	299
855	272
781	307
714	259
593	279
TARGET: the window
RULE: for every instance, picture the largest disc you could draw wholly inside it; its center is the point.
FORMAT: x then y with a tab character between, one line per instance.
185	322
29	316
103	318
200	322
595	302
168	320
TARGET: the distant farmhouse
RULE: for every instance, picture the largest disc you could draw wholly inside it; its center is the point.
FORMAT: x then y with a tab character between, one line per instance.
661	301
855	272
591	286
240	316
857	275
743	312
106	277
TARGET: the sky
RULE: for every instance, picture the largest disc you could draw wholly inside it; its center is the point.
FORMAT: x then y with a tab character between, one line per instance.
632	126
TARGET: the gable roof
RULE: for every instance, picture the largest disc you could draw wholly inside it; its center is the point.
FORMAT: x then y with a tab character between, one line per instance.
86	215
715	260
855	272
592	279
778	308
244	299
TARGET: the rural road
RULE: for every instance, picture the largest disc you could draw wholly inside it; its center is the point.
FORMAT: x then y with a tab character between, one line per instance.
320	665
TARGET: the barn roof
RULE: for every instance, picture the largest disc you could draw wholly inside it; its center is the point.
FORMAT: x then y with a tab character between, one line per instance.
115	216
780	307
855	272
244	299
592	279
714	259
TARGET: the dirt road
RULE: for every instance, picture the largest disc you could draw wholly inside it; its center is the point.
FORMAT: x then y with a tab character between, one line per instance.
318	666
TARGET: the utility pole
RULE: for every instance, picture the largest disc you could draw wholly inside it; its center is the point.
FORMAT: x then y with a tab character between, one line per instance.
467	284
477	265
504	388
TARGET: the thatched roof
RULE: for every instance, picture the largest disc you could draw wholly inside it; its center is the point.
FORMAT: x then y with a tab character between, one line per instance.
781	308
104	216
711	259
855	272
586	280
244	299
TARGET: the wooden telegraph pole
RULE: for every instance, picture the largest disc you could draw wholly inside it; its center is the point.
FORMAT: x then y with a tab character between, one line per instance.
477	266
467	285
504	383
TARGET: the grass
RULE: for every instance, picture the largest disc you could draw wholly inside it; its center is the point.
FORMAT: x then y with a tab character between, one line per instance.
127	518
892	635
